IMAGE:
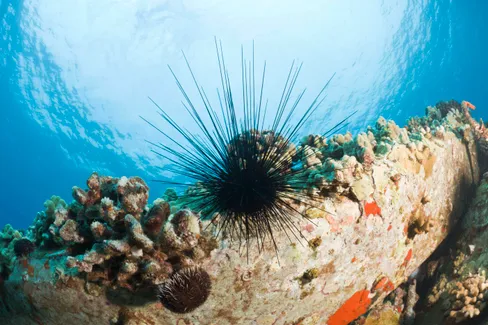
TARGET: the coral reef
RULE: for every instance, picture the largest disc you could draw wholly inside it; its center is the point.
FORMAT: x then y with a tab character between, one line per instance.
458	293
388	197
102	235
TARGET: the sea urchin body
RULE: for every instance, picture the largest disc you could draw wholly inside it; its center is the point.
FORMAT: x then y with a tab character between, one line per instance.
185	290
23	247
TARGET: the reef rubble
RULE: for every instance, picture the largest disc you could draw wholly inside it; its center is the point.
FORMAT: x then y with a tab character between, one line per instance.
389	197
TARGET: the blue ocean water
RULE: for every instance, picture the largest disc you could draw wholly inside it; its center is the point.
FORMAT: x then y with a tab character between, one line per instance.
75	76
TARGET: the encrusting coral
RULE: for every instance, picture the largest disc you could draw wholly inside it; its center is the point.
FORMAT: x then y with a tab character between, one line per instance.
338	165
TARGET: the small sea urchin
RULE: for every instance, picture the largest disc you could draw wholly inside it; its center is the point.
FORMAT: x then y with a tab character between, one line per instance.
185	290
23	247
245	173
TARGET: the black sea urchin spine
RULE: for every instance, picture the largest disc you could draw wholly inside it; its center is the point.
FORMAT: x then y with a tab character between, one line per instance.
244	171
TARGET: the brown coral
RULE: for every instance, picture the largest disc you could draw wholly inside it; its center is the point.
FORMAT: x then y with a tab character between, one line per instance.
158	214
90	197
136	234
70	232
118	247
133	194
468	297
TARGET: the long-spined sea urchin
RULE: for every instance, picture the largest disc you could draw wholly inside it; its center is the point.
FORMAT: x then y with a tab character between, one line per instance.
244	171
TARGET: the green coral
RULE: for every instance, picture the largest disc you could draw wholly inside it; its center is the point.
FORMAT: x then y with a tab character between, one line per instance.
8	236
170	195
42	231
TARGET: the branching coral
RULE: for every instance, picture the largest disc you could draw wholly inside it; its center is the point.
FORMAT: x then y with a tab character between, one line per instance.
433	116
468	297
8	237
45	228
156	217
436	292
113	235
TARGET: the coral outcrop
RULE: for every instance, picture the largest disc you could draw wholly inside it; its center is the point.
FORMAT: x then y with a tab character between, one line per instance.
388	197
479	129
8	237
103	235
459	290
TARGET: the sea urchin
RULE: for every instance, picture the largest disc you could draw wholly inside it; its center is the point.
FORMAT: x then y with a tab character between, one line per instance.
185	290
23	247
246	178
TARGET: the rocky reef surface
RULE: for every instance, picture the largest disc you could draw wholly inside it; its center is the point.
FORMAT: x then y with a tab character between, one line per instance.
389	197
454	281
